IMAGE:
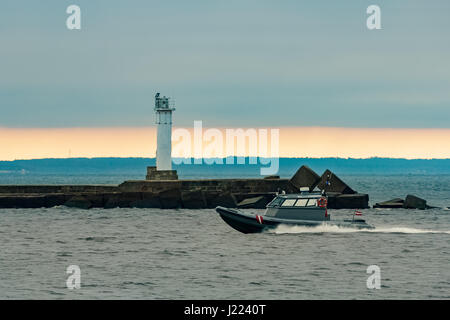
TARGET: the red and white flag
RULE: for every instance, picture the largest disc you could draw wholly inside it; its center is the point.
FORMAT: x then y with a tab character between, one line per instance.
358	213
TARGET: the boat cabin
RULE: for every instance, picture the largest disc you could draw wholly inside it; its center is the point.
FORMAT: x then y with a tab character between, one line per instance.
303	206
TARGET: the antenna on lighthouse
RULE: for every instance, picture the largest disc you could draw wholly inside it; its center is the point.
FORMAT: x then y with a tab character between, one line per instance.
163	170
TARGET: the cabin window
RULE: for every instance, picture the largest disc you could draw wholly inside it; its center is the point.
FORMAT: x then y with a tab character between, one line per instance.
301	202
288	203
276	202
312	202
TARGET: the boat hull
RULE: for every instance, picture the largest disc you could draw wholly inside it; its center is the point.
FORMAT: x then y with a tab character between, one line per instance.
243	223
251	223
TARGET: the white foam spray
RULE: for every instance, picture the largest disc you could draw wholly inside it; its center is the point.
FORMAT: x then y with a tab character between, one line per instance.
326	228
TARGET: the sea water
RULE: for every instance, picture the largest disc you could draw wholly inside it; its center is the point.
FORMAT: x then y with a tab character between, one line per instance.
193	254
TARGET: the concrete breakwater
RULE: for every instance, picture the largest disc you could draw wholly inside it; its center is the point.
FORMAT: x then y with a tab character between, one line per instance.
191	194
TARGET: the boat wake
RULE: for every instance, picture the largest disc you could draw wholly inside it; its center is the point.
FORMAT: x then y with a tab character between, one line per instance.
285	229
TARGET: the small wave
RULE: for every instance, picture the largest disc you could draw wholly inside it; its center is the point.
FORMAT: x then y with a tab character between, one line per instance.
283	229
64	254
146	283
97	239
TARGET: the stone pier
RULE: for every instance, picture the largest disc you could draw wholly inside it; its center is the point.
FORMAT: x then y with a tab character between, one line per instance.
162	189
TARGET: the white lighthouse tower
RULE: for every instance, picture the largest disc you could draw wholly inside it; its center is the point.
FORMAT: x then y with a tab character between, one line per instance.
164	138
163	170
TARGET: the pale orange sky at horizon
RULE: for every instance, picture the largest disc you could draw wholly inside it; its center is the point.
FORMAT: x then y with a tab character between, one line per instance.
314	142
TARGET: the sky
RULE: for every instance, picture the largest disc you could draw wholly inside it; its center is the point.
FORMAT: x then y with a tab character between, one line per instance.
294	65
312	142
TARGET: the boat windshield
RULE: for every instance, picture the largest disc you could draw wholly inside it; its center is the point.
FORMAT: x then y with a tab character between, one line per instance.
288	202
311	203
276	202
294	202
301	203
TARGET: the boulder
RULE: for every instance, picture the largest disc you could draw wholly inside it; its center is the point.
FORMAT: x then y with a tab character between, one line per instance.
111	200
305	177
8	201
223	199
149	200
272	177
98	200
56	199
33	200
193	199
78	202
393	203
255	202
23	201
413	202
242	196
335	184
331	196
348	201
149	185
121	199
170	199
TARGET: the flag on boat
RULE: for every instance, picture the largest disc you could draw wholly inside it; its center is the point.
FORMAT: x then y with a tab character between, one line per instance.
358	213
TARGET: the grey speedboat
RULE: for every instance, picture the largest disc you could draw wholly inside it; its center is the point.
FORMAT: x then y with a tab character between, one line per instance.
303	209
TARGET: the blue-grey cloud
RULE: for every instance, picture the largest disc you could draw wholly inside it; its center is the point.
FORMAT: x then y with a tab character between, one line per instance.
228	63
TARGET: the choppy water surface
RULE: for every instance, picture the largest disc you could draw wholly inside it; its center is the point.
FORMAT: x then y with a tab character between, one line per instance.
193	254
